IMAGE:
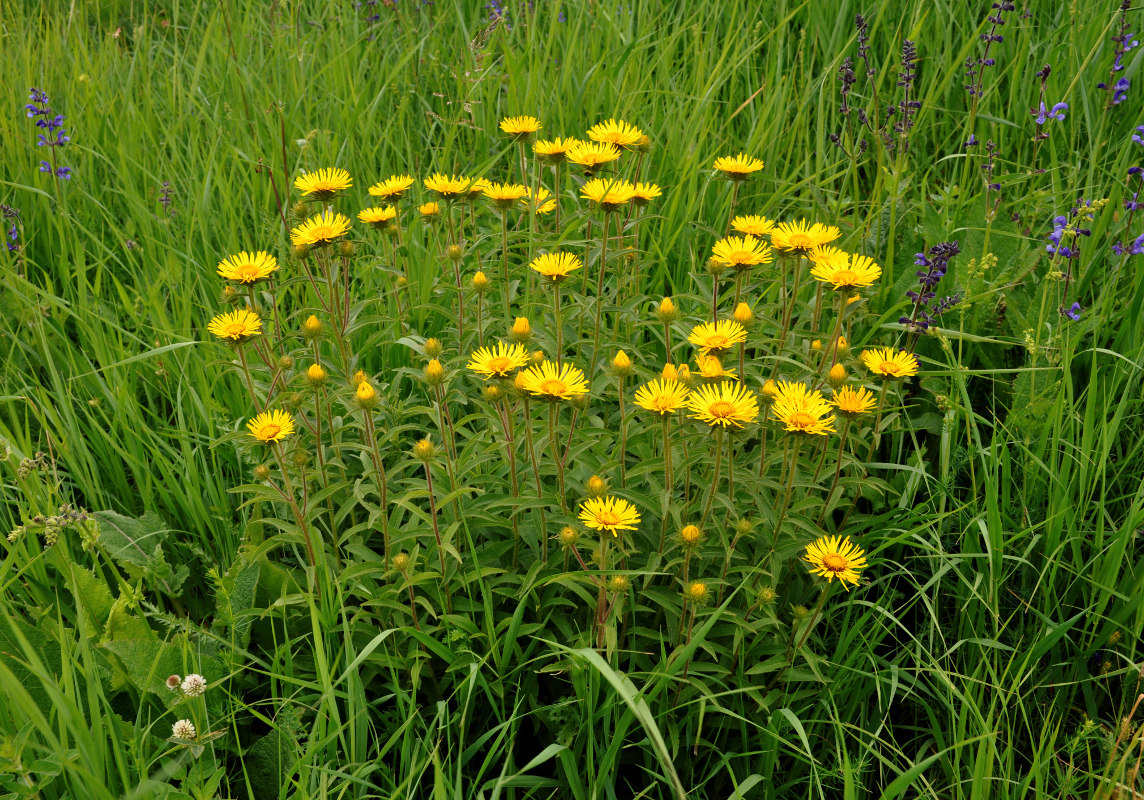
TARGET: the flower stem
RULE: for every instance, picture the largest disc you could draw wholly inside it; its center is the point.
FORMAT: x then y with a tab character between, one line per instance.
599	292
667	483
554	447
714	477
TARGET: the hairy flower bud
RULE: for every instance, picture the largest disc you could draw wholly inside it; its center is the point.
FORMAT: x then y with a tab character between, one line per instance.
669	373
837	375
697	591
316	376
432	348
261	473
622	365
434	373
521	330
769	393
666	311
454	252
619	583
401	562
346	248
493	393
597	486
366	396
816	346
568	536
480	283
285	363
424	450
312	328
690	535
743	314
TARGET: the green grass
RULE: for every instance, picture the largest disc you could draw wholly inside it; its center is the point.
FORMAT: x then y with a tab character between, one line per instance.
992	650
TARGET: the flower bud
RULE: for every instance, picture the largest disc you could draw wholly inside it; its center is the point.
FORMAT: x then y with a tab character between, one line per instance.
800	613
767	595
685	375
493	393
316	376
743	314
366	396
401	562
300	458
697	591
261	473
644	144
312	328
666	311
285	363
358	378
619	583
597	486
346	248
537	358
300	251
843	346
300	210
816	346
744	526
769	393
454	252
434	373
622	365
424	450
690	535
432	348
521	330
568	536
578	402
401	282
480	283
714	267
518	383
669	373
230	294
837	375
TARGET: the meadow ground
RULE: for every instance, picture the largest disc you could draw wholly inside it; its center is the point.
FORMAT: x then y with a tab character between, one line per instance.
804	460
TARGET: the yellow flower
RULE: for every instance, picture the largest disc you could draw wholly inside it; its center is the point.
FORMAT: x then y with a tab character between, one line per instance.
837	375
739	167
802	237
380	218
843	270
556	266
769	392
836	557
591	155
521	330
662	396
504	195
621	364
753	225
696	591
609	194
236	325
690	535
666	311
645	193
271	426
741	252
321	229
247	267
613	514
669	373
545	204
727	404
596	486
553	151
480	282
520	127
393	187
447	186
743	314
890	363
498	362
548	383
711	367
315	375
429	211
615	132
323	184
312	327
717	337
851	402
365	395
801	410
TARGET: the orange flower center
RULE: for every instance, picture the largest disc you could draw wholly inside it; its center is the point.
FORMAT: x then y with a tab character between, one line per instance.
236	330
554	387
803	420
662	404
721	409
739	256
246	272
844	277
889	368
269	431
716	341
323	232
499	364
608	519
834	562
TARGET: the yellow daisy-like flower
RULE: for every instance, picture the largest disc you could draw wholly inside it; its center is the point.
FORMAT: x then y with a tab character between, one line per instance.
741	252
503	195
323	184
447	186
592	155
612	514
520	127
739	167
851	402
836	557
236	325
801	237
645	193
802	410
890	363
247	267
609	194
499	361
321	229
549	383
393	187
379	218
841	270
553	151
662	396
753	225
727	404
711	367
429	210
556	266
717	337
615	132
544	205
271	426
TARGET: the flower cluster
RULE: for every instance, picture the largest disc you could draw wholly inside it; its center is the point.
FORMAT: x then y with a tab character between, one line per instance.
54	134
933	268
11	218
1124	42
975	68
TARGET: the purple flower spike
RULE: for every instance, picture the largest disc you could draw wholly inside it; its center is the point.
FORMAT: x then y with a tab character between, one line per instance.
1074	312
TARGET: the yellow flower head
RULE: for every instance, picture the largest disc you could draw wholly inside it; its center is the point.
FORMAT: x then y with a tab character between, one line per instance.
429	211
271	426
323	184
801	237
669	373
743	314
499	361
544	205
393	187
556	266
753	225
615	132
380	218
728	404
236	325
504	195
717	337
645	193
613	514
741	252
321	229
851	402
553	151
889	363
549	383
739	167
592	155
711	367
447	186
520	127
843	271
802	410
247	267
662	396
609	194
836	557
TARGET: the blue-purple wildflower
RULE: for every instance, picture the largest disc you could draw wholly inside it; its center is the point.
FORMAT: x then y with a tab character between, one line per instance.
933	265
12	218
55	134
1074	312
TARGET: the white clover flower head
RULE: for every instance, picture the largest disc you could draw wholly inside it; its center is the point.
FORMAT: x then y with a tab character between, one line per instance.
183	729
173	682
194	685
